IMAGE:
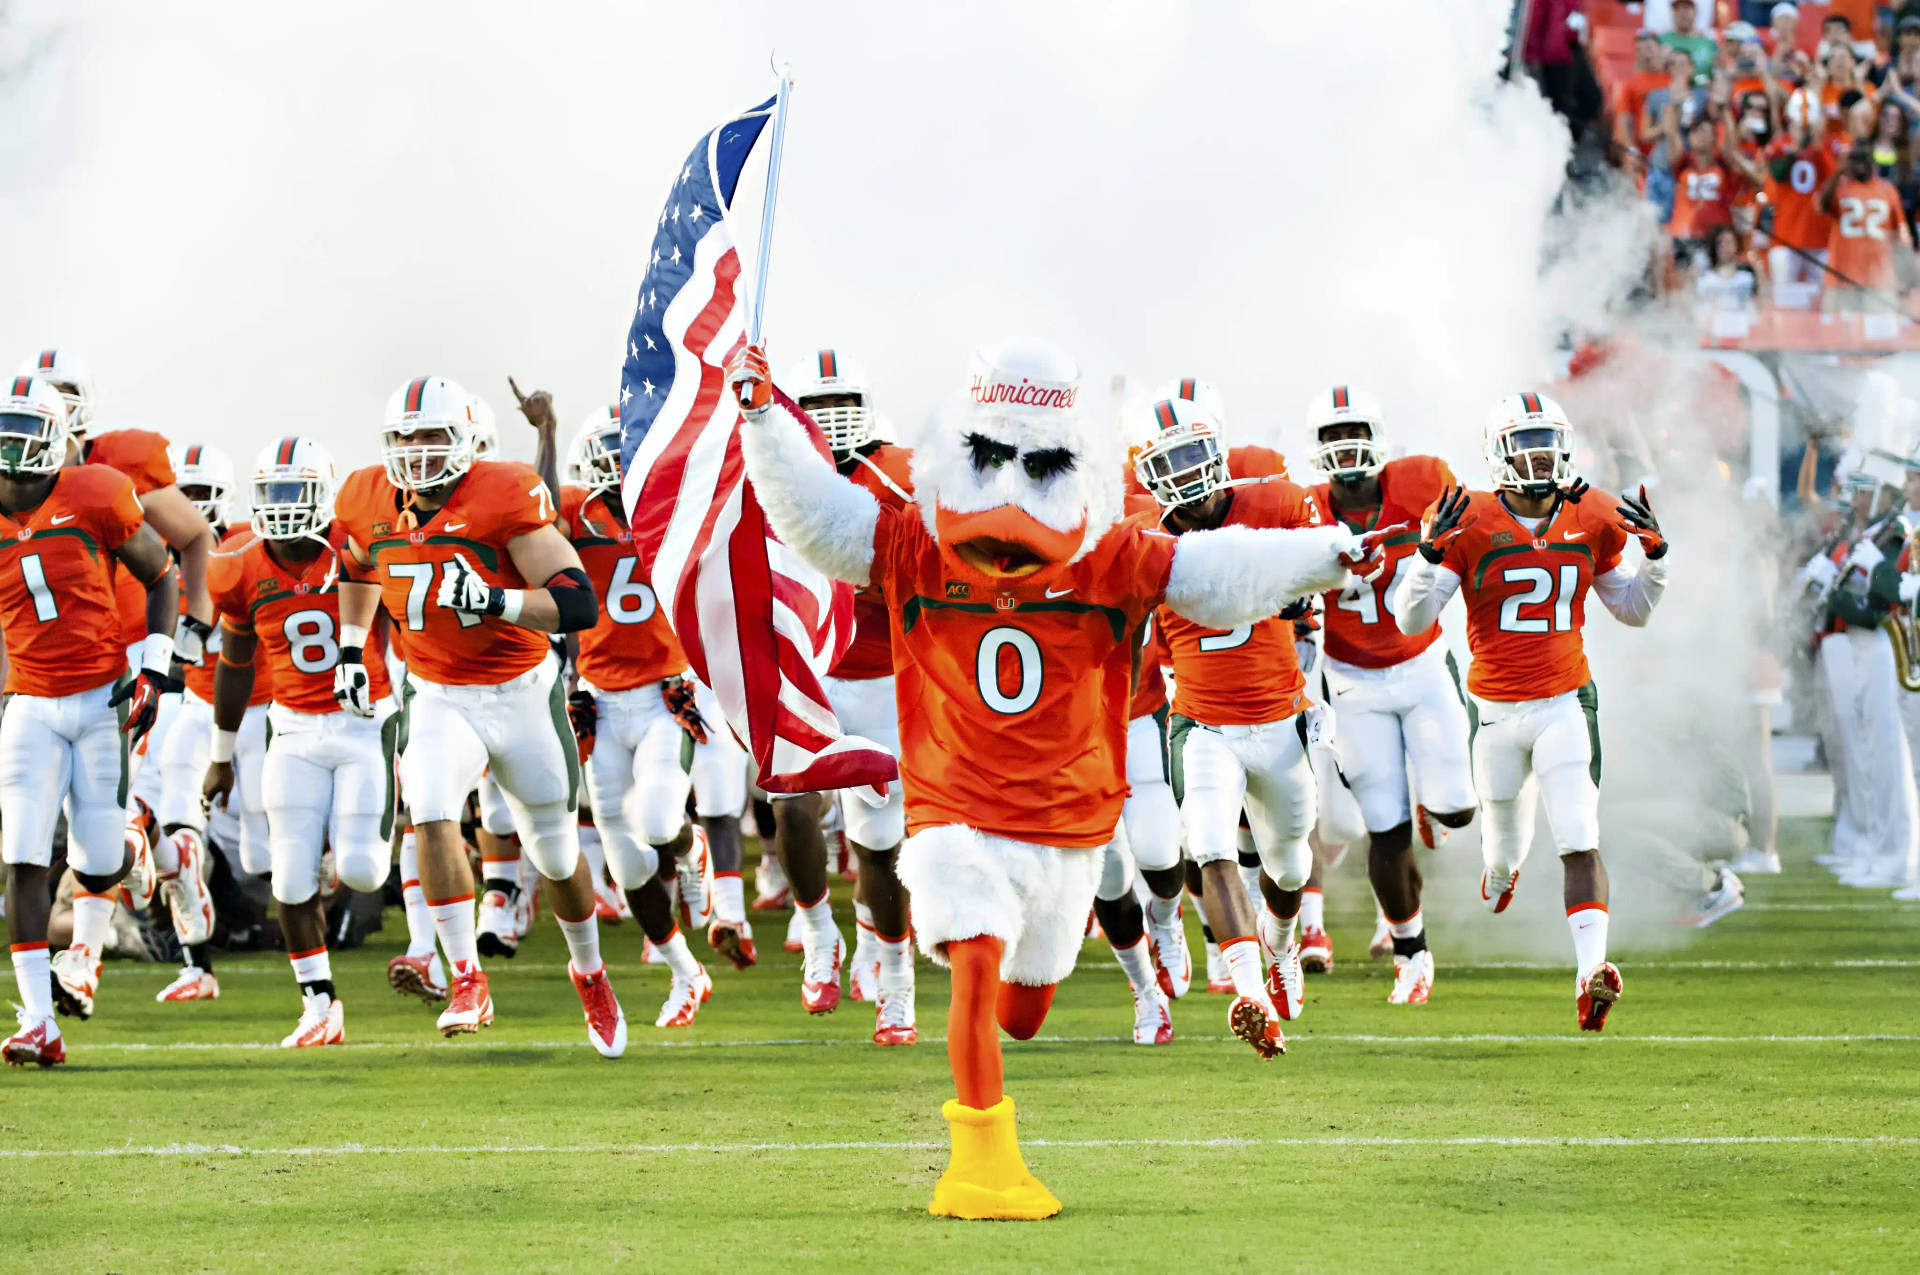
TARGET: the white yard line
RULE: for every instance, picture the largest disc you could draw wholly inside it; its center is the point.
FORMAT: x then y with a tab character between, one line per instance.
735	1148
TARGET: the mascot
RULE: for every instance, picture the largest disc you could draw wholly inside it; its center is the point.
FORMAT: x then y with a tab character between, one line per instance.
1014	588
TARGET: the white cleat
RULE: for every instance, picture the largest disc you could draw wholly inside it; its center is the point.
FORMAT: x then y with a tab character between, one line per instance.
1727	895
1497	891
796	940
322	1022
1219	977
1412	979
694	871
893	1017
863	974
188	897
684	999
76	977
1152	1024
1287	983
191	984
497	929
1755	862
137	888
1172	961
820	977
1381	944
606	1022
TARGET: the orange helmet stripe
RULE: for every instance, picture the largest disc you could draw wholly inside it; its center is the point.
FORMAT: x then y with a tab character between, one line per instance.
829	365
20	386
1340	397
47	358
1163	412
415	392
286	451
1186	388
1531	402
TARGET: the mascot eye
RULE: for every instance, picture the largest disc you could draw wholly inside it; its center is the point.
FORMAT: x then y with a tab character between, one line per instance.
1044	464
989	454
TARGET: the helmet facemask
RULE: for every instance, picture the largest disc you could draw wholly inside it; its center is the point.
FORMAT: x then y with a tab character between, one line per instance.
31	443
1350	457
1531	459
416	464
845	418
291	504
597	467
1183	463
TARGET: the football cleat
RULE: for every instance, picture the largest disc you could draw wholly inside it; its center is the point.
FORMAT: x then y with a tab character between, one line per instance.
188	897
526	907
694	871
322	1022
1219	977
418	976
1172	961
1423	824
893	1017
497	930
1287	983
1727	895
191	984
136	889
1412	979
1597	991
684	999
1252	1019
1498	894
1152	1024
606	905
796	933
863	972
1316	951
820	978
76	977
733	940
1381	944
650	955
469	1005
771	891
38	1041
606	1025
1755	862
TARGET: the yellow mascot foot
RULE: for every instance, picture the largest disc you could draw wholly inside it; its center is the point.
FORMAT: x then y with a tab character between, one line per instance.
986	1178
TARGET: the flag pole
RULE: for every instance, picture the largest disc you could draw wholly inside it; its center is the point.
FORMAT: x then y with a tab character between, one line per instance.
757	314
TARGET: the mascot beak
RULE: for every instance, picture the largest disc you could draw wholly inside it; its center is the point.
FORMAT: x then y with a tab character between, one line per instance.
1006	542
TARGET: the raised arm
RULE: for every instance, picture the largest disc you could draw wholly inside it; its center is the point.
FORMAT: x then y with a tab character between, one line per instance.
1237	575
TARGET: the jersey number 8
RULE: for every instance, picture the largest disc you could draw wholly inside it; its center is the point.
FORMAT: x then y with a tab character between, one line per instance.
310	641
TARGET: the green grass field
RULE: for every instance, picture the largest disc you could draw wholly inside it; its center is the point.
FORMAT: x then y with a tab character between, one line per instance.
1755	1104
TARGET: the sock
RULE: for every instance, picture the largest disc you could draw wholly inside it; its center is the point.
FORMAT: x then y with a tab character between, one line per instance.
200	957
1138	965
419	915
1409	936
502	873
1313	909
583	943
35	981
313	971
729	900
1276	932
165	854
92	921
1243	966
862	919
678	958
453	925
896	961
817	918
1588	921
1162	911
1250	878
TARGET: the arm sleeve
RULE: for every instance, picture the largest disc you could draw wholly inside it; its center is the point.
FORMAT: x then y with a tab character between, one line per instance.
1422	594
826	519
1237	575
1632	595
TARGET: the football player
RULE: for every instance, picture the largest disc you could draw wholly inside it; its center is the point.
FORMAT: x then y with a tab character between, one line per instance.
73	710
1235	737
464	556
1398	695
1524	556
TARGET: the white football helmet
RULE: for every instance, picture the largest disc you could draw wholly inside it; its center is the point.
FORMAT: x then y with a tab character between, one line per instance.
593	458
486	432
204	465
1345	458
68	375
826	373
1524	427
33	427
294	482
1195	390
1183	461
428	404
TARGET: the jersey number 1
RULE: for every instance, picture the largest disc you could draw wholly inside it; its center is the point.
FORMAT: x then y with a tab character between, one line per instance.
44	607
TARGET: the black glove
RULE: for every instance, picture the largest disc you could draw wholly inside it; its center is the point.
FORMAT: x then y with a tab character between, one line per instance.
1638	515
1573	493
678	694
583	714
1445	525
141	694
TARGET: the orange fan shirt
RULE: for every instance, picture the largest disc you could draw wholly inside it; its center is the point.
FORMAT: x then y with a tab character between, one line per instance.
1250	674
1526	592
293	610
1359	619
1702	197
491	504
1794	178
141	455
199	677
632	644
871	654
1867	220
1013	694
58	611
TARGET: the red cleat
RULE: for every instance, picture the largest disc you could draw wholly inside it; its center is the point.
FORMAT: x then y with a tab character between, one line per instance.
733	940
38	1041
1316	951
417	976
1255	1022
1498	902
606	1025
1597	993
469	1008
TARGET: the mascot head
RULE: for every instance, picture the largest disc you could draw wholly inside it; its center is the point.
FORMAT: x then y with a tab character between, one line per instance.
1015	480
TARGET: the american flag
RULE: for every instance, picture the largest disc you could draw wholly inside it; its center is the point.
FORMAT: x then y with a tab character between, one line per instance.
757	624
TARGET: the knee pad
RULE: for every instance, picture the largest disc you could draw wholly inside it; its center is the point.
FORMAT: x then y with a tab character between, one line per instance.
1116	870
876	828
630	863
552	841
362	865
1505	834
1289	864
96	840
1152	825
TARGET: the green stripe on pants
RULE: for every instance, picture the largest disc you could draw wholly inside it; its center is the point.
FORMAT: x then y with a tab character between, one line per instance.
1177	730
569	748
1589	696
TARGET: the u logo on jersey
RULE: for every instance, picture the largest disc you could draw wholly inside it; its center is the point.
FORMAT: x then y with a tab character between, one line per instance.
1539	544
1004	603
25	533
416	537
301	589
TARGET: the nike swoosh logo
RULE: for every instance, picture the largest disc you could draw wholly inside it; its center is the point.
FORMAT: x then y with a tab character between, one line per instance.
455	526
1575	535
57	519
1058	593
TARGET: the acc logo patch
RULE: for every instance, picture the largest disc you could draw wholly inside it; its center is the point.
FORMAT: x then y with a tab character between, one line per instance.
959	589
263	586
382	528
1501	538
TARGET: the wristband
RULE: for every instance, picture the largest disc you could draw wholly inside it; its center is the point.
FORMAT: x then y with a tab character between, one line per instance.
192	624
353	635
506	603
156	654
221	750
1432	555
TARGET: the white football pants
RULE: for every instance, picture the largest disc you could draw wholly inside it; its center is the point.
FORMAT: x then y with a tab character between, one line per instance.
1389	719
183	769
1220	770
328	780
1529	748
67	749
865	707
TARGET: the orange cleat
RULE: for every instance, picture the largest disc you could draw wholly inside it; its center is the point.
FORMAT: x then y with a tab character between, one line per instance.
1254	1021
469	1007
1598	990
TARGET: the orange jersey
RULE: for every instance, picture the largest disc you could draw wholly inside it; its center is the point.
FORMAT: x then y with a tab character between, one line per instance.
1248	675
294	612
1013	695
199	677
57	569
1150	688
631	644
1526	592
871	654
1359	620
1867	220
492	503
1703	197
1794	179
141	455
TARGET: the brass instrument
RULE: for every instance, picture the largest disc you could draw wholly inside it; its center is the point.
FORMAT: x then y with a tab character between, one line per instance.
1901	626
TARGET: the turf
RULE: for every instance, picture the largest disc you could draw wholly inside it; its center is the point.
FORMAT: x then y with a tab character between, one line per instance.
1478	1132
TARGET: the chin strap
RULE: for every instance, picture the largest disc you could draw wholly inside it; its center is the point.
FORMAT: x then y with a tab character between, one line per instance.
881	474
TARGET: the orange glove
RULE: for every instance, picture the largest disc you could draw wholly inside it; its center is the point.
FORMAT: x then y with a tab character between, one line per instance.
751	382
